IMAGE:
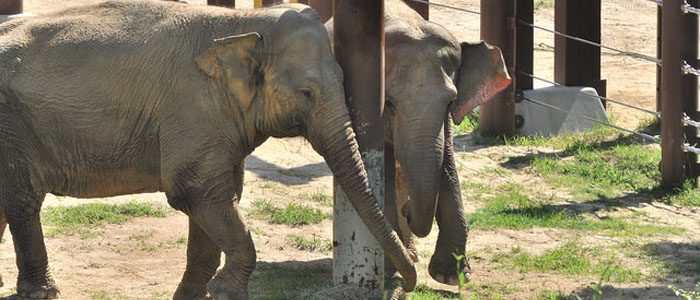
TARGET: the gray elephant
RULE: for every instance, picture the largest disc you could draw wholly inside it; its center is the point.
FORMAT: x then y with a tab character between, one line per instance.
142	96
431	79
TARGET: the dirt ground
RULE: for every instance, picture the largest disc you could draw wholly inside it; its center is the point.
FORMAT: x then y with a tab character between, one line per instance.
144	258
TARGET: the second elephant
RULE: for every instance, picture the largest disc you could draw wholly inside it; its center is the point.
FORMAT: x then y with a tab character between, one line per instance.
431	79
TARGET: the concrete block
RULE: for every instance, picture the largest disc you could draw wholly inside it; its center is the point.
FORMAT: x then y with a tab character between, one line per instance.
540	120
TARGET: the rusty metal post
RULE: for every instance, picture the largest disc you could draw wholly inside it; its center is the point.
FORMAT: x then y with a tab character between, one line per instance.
266	3
678	91
359	47
576	63
421	8
10	7
498	23
524	52
323	7
224	3
659	43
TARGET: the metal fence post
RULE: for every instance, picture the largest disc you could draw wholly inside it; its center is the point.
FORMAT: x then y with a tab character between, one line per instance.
576	63
10	7
498	25
359	47
422	8
266	3
678	92
224	3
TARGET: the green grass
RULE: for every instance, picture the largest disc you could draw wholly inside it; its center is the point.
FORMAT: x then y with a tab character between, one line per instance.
280	281
572	259
314	243
76	219
510	207
293	214
686	195
319	197
469	124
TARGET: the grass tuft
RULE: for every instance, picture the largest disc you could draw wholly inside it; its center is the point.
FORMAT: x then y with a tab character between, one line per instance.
75	219
314	243
293	214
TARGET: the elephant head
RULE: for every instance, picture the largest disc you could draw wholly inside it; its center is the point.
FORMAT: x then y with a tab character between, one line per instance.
293	93
427	78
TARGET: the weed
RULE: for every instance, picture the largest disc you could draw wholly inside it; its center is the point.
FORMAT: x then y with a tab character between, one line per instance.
469	124
74	219
688	195
319	197
315	243
544	4
293	214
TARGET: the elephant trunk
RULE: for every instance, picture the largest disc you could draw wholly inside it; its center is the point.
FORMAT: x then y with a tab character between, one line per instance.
420	155
331	135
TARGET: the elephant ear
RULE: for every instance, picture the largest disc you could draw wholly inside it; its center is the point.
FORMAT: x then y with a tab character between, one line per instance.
236	60
481	76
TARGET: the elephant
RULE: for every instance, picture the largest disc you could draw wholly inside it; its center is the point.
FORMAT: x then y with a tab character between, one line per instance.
431	80
134	96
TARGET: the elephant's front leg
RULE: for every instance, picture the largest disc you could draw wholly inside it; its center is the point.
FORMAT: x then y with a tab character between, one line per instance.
22	214
224	225
452	222
203	257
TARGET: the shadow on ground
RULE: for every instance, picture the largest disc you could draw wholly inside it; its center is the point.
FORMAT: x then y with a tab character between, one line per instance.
289	176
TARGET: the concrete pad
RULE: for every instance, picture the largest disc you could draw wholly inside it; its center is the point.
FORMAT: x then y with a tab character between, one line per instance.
540	120
5	18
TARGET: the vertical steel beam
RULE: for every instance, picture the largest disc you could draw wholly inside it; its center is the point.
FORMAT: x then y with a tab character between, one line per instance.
323	7
10	7
359	48
576	63
678	91
224	3
659	43
524	52
498	23
421	8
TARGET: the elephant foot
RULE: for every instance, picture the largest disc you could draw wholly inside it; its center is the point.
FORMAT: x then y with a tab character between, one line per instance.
223	287
443	268
45	290
394	288
191	294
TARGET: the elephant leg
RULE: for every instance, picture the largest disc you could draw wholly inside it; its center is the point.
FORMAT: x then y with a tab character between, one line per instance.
22	214
3	224
452	222
203	257
402	199
224	225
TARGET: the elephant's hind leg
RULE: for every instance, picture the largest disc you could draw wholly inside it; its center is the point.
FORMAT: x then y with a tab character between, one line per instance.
203	257
22	209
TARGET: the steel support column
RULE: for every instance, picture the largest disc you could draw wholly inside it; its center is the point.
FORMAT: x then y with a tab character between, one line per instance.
576	63
421	8
224	3
359	47
10	7
498	25
678	92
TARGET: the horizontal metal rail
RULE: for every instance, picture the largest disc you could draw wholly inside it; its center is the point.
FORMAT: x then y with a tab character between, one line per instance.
448	6
578	39
688	69
686	8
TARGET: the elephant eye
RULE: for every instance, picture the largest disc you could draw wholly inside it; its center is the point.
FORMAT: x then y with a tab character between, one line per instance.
307	94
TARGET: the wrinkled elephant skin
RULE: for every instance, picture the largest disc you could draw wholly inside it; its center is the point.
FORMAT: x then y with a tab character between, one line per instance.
142	96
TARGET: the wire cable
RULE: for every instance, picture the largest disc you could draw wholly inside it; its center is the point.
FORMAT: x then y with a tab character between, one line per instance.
688	69
448	6
645	136
686	7
655	113
628	53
